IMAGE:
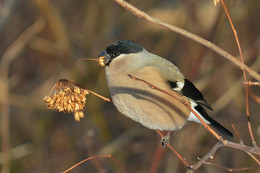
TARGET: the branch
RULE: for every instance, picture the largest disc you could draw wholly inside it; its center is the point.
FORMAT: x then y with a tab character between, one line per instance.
92	92
254	97
254	150
231	169
244	74
229	144
189	35
95	157
221	143
252	83
206	157
242	147
175	152
242	142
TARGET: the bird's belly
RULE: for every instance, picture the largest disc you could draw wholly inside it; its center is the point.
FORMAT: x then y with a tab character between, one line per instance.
151	108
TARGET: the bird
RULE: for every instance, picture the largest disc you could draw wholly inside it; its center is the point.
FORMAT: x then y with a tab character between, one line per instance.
152	108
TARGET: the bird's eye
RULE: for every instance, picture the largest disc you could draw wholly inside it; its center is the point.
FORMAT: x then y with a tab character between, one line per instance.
117	54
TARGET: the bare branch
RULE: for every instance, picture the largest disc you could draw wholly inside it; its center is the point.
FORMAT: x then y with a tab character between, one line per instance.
254	97
206	157
242	147
244	74
92	92
95	157
241	142
231	169
221	143
175	152
189	35
252	83
226	143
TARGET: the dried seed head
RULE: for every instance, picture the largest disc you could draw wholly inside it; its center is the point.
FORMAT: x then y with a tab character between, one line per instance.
78	115
67	97
101	61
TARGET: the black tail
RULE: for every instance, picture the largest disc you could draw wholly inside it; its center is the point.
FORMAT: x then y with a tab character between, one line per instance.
214	123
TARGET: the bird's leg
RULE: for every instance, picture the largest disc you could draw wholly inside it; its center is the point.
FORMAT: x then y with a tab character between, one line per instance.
166	139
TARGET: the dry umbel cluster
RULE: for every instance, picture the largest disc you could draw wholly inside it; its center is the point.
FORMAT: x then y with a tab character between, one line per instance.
67	96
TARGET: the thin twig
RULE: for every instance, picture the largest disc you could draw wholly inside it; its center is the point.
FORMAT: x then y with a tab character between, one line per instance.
242	147
175	152
157	159
189	35
88	59
244	74
95	157
100	96
210	154
92	92
252	83
254	97
231	169
241	142
233	90
236	132
226	143
254	158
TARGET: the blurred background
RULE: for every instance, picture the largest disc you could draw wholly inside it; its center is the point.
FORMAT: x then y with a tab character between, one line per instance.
41	42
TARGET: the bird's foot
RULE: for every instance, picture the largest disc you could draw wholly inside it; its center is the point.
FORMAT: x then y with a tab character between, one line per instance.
166	139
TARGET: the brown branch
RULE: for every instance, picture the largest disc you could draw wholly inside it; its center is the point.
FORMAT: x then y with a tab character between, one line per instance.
100	96
225	143
233	90
254	150
91	92
244	74
189	35
241	142
231	169
221	143
175	152
242	147
95	157
210	154
157	159
252	83
254	158
254	97
236	132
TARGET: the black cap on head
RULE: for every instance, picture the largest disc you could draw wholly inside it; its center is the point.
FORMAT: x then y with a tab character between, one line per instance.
117	48
123	47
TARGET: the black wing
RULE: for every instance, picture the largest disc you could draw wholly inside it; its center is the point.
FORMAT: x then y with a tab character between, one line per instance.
189	90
